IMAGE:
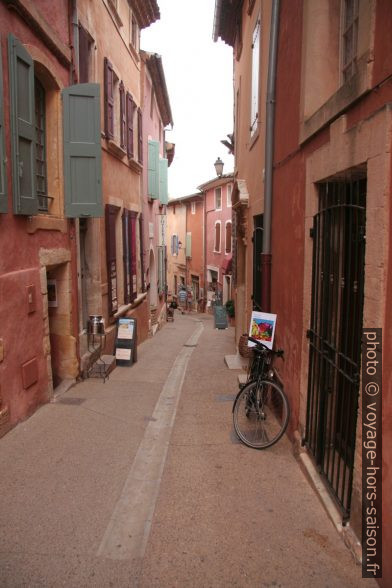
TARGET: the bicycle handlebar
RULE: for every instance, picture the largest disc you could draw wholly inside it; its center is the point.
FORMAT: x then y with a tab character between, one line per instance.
260	344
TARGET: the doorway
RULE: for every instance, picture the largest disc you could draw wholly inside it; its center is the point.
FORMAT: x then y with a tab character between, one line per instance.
335	333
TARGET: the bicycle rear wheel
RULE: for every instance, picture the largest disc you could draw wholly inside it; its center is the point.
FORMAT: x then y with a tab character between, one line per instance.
260	414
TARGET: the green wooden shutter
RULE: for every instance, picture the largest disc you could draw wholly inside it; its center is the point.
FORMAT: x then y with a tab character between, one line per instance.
153	169
188	250
163	194
82	151
3	174
21	70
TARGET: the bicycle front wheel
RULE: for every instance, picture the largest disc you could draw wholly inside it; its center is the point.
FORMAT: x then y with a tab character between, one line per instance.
260	414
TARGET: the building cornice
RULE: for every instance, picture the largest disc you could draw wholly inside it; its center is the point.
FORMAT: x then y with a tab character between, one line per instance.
155	68
216	182
225	20
146	12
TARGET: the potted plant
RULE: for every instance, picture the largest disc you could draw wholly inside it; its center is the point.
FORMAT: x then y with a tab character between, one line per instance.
230	310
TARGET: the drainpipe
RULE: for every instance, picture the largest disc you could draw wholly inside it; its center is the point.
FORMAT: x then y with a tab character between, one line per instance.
266	256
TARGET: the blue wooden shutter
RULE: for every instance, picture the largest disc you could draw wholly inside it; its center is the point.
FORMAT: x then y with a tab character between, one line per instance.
21	69
82	151
163	194
153	169
3	175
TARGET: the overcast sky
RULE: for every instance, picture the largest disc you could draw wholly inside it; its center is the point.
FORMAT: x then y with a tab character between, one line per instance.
199	76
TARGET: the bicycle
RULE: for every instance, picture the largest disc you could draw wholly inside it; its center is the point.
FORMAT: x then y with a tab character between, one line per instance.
261	410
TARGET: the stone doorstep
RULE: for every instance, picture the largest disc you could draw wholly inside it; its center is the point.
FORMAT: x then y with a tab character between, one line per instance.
311	474
63	387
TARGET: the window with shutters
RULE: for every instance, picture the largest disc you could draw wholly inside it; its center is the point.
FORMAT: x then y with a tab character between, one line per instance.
349	38
34	112
123	117
3	178
134	32
217	240
153	169
141	237
130	105
254	116
113	114
111	213
163	188
218	198
140	135
86	44
40	146
228	237
129	255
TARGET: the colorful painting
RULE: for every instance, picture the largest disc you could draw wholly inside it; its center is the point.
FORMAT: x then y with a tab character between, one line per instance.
262	328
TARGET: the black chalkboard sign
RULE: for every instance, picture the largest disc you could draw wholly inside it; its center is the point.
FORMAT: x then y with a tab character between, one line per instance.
220	316
125	348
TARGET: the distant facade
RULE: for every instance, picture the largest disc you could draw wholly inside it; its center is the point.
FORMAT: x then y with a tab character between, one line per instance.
158	155
175	246
185	246
219	238
200	243
320	256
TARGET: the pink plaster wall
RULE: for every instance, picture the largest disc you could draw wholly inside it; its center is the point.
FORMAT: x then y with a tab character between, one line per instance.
213	215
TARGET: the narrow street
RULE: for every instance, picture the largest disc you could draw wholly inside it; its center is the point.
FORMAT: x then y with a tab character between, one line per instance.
140	481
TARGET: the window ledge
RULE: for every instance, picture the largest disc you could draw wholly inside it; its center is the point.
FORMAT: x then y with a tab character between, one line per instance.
46	223
114	148
134	53
350	91
125	307
135	165
115	14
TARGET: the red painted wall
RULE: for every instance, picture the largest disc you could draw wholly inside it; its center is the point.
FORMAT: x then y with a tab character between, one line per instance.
288	227
22	332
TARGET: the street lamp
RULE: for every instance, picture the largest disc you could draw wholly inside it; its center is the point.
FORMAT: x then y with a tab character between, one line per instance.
219	167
